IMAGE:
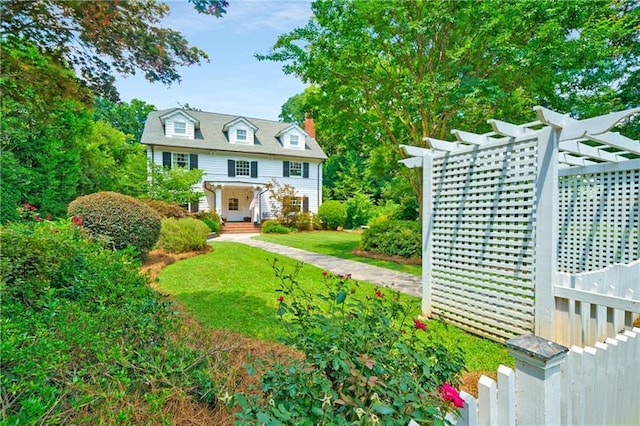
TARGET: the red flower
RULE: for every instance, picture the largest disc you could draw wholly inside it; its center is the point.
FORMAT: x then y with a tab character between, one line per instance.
48	217
349	276
379	293
324	273
419	324
281	299
77	220
38	219
449	393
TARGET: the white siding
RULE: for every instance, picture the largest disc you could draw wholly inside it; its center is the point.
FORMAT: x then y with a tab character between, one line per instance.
286	139
215	168
233	134
170	125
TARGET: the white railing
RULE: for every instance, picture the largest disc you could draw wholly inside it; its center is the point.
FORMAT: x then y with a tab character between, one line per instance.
591	385
591	306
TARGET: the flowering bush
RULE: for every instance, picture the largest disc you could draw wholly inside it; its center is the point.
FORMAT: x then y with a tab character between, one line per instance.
366	361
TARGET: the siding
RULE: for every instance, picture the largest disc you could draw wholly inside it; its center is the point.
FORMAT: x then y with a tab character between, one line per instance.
216	170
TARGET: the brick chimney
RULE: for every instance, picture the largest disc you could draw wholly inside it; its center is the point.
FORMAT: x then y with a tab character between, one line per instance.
309	125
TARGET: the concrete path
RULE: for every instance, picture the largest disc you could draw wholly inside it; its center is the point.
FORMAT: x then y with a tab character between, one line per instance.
400	281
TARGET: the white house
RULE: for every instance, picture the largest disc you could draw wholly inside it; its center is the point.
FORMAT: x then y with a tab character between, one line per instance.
239	156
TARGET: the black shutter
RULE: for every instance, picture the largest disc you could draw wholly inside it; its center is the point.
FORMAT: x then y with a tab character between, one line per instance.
166	159
305	204
285	169
193	161
194	207
231	168
305	170
254	169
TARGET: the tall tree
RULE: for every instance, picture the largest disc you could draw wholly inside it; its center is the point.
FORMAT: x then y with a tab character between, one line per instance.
128	117
100	37
409	70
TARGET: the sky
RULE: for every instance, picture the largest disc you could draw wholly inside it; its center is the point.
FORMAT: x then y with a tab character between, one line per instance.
234	81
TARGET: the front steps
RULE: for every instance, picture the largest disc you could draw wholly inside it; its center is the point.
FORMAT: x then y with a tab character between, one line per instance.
239	228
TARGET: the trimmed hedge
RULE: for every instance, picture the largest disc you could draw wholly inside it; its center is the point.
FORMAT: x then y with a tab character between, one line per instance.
211	219
394	238
332	214
117	220
183	235
274	227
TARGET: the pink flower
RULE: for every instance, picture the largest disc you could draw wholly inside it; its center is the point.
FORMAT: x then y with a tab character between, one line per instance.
38	219
349	276
419	324
77	220
48	217
379	293
281	299
449	393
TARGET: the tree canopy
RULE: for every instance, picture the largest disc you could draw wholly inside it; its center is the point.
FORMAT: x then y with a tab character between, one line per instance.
403	71
98	38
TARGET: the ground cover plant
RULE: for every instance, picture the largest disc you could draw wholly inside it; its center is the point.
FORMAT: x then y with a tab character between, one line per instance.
342	244
85	340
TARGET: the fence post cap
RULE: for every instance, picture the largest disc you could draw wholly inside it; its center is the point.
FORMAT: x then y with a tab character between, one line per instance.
536	347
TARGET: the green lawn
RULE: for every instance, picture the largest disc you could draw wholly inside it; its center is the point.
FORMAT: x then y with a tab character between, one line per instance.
234	288
335	243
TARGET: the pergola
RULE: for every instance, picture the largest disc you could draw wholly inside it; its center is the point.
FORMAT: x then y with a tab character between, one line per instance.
504	212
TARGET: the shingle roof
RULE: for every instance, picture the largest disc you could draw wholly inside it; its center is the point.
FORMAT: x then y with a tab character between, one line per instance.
211	137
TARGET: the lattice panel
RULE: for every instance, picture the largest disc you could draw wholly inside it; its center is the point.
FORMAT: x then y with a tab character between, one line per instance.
599	220
483	239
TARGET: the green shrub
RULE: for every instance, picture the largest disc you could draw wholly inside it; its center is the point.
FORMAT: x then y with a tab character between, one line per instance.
359	210
393	238
84	336
366	361
304	222
274	227
118	220
332	214
211	219
165	208
183	235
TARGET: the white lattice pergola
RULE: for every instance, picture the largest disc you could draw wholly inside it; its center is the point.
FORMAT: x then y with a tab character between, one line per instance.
505	211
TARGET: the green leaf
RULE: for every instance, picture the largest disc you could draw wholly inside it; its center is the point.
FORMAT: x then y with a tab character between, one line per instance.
341	296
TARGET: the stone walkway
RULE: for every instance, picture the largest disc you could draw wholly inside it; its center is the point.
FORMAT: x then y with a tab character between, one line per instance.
406	283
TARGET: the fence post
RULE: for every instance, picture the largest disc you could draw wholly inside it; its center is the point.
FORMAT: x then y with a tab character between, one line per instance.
427	232
538	379
546	233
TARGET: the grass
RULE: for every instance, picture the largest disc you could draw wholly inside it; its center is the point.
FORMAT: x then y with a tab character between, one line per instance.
335	243
233	288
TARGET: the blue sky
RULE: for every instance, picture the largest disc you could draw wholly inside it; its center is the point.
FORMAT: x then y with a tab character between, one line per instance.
233	82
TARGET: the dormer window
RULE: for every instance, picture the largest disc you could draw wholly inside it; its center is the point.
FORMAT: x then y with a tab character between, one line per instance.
180	128
241	134
240	131
294	140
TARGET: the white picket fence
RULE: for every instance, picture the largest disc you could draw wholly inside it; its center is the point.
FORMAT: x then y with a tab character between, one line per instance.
592	306
592	385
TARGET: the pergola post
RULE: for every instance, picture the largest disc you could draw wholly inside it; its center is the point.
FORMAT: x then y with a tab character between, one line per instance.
427	229
546	232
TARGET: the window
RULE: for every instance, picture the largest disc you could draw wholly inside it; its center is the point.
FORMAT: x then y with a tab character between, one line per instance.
241	134
294	140
179	127
233	204
295	168
180	159
296	204
242	168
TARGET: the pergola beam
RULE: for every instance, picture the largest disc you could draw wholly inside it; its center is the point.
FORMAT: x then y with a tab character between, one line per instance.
574	161
508	129
616	140
575	147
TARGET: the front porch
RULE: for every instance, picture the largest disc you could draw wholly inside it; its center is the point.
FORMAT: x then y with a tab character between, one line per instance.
235	203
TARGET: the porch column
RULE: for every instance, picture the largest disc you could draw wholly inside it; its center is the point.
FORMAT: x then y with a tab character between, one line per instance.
218	201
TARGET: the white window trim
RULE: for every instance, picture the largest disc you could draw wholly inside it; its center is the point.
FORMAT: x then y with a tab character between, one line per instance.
291	168
184	129
174	160
248	168
238	138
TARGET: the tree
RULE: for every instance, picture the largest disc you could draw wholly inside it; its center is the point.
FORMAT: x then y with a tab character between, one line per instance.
174	185
100	37
129	118
109	162
404	71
